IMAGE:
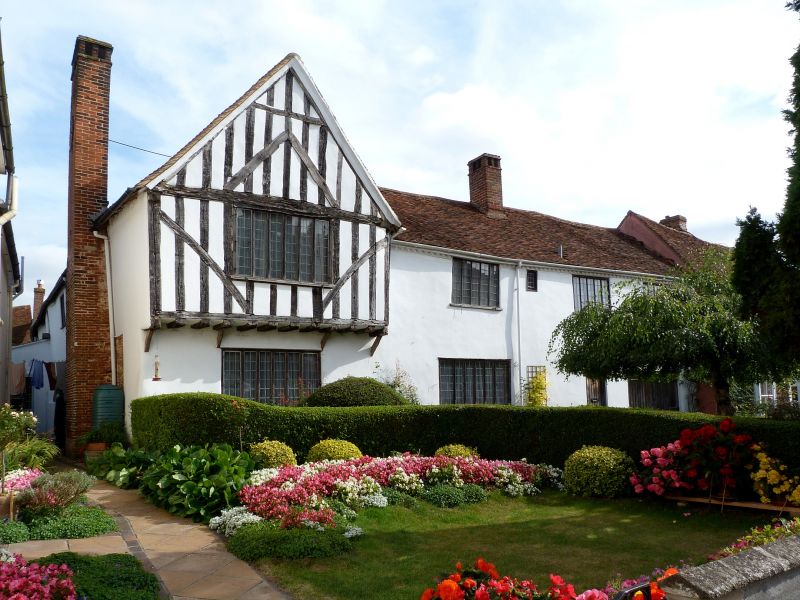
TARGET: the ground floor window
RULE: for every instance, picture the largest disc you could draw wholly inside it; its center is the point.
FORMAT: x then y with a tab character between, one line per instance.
270	376
653	394
596	392
463	381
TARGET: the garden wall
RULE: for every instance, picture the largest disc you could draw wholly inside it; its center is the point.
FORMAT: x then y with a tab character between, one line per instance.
510	432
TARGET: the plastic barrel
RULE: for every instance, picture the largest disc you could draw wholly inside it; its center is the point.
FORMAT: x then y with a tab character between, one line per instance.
108	405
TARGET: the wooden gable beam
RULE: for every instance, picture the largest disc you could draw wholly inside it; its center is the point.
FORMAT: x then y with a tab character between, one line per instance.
257	159
285	113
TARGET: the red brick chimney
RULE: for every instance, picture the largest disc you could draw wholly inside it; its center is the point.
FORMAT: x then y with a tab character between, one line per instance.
485	185
38	298
88	353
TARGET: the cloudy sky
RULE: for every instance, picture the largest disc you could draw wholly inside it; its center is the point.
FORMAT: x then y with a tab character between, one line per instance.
596	106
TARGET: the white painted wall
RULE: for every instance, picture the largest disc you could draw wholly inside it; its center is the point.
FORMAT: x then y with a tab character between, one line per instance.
6	320
127	232
425	327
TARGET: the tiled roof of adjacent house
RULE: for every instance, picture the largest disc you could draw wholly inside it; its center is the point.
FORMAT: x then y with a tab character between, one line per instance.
685	244
521	235
21	326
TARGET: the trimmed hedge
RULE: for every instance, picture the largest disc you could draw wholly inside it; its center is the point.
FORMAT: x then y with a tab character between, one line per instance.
355	391
545	434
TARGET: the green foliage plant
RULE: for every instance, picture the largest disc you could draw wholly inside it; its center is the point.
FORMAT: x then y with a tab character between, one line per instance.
688	325
473	493
398	498
598	471
444	495
15	426
13	532
333	450
77	521
271	453
266	540
542	435
33	452
197	482
400	381
355	391
108	432
107	577
120	466
457	450
50	494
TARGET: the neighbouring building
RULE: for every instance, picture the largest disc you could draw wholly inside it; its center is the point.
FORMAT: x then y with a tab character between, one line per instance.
10	276
262	260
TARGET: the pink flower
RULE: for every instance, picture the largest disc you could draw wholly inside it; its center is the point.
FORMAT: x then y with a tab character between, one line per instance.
592	594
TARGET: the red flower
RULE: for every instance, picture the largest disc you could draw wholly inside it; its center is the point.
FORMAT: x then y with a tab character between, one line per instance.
687	437
458	566
455	577
707	432
742	438
726	425
449	590
721	452
481	593
470	583
427	594
691	473
702	483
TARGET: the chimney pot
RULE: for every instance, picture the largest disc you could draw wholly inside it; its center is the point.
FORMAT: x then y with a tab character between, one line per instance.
485	185
677	222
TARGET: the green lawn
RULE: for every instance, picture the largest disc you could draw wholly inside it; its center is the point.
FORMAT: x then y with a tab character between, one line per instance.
585	541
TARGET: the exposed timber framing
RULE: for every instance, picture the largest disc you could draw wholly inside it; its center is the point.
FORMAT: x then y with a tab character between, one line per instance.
373	261
275	204
375	344
304	142
154	238
223	322
322	163
323	342
287	148
249	134
203	266
180	285
283	113
352	270
262	155
229	286
266	173
148	338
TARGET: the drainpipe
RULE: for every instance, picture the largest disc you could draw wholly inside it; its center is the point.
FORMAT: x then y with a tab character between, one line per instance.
519	331
12	202
111	330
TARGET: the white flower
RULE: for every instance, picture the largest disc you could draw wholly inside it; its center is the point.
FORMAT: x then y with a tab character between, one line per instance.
351	531
231	519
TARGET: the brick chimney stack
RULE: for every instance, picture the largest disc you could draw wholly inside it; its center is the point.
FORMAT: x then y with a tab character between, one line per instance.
38	298
675	222
485	185
88	352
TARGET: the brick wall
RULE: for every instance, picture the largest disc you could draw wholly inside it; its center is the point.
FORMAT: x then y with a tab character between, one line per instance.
88	352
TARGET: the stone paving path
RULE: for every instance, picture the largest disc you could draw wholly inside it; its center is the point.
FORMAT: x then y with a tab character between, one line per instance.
190	560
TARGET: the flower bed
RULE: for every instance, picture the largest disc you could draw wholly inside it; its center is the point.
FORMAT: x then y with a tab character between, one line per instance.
297	494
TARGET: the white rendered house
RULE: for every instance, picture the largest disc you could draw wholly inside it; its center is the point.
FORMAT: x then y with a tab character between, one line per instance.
262	260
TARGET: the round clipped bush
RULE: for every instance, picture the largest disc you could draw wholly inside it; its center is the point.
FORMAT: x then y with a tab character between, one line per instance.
333	450
355	391
444	495
271	454
457	450
598	471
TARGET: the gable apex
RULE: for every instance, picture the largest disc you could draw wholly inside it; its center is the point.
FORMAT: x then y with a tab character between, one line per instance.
291	67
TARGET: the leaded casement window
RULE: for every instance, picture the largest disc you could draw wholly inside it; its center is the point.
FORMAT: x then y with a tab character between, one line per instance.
653	394
277	246
463	381
586	290
476	283
270	376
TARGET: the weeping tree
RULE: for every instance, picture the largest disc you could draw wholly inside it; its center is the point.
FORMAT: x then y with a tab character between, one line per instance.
688	325
767	255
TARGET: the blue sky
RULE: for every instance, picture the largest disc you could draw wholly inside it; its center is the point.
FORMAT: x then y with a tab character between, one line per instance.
596	107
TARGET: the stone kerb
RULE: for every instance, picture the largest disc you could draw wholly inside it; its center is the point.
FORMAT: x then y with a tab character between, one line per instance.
761	573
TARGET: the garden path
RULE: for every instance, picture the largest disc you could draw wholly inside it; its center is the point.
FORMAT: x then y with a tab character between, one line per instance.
190	560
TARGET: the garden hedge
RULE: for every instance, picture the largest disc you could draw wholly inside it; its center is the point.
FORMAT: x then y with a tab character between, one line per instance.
510	432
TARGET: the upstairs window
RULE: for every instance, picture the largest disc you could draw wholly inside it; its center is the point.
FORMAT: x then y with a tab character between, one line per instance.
532	281
270	376
587	290
277	246
476	283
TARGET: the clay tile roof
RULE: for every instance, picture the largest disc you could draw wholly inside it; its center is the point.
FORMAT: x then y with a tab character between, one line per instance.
21	325
686	245
522	235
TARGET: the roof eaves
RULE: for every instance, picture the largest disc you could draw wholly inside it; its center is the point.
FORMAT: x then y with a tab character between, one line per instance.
5	119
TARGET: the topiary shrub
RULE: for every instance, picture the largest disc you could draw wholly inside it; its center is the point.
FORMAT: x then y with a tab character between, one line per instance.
333	450
271	453
355	391
255	541
598	471
473	493
457	450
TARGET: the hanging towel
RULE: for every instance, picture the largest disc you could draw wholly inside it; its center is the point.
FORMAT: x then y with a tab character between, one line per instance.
51	374
17	374
61	375
37	374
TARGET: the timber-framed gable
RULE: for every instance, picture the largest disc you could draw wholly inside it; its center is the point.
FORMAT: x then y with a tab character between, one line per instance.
268	220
